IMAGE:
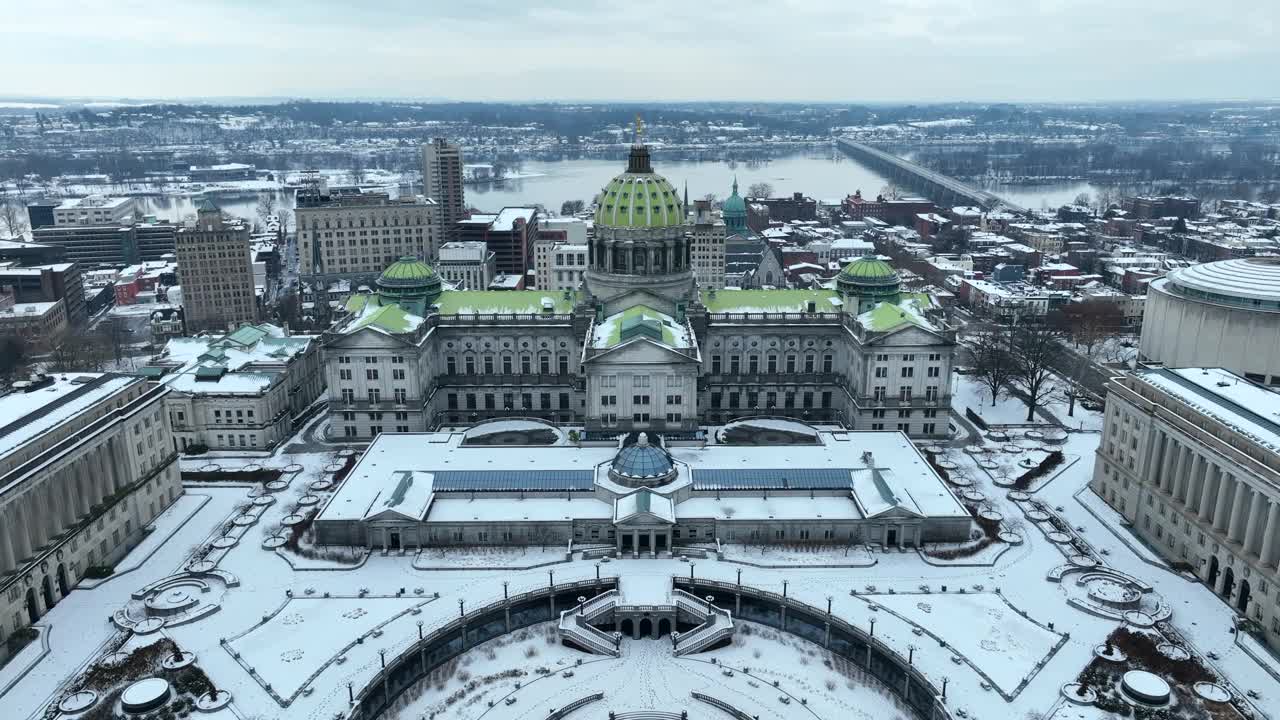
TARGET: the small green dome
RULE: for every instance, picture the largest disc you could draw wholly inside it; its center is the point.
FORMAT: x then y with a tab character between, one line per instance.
639	198
406	272
734	204
869	270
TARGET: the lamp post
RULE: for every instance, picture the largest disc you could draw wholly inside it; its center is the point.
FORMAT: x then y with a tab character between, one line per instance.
504	589
828	604
691	566
419	629
582	604
739	577
784	589
597	572
382	655
873	627
460	607
551	579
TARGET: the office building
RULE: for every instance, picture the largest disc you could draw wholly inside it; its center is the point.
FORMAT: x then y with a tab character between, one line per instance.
354	235
1189	458
467	265
47	283
708	234
442	182
215	271
86	462
94	210
509	234
240	390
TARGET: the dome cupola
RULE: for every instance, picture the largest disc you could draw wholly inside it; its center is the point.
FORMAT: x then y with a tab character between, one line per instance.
868	280
408	279
642	464
734	211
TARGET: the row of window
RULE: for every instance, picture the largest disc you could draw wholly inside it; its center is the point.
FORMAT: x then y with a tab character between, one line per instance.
488	366
771	365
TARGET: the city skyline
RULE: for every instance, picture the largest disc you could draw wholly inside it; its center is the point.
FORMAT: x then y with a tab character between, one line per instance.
708	51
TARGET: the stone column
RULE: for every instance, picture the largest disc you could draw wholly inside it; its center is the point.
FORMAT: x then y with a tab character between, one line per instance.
1207	489
1239	508
1253	526
67	495
1179	478
1151	464
1226	488
84	491
635	543
28	512
653	548
7	560
1166	464
1268	554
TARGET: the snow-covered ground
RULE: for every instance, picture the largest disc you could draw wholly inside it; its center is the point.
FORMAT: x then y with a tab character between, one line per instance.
648	677
997	662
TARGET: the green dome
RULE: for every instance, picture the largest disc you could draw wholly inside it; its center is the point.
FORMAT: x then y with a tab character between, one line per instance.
639	198
409	283
406	272
869	270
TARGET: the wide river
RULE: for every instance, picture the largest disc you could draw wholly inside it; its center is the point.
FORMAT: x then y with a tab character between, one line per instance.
821	174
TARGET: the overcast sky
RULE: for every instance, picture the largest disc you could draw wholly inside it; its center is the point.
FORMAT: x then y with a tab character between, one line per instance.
825	50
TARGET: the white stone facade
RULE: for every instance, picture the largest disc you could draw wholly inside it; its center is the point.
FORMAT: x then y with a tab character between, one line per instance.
1194	469
361	235
85	470
1222	314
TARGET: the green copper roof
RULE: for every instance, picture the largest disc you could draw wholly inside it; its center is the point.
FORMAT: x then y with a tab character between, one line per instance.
520	302
391	318
909	310
734	205
771	301
869	269
639	200
406	271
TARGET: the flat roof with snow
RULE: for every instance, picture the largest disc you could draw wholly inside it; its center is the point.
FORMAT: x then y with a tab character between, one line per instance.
858	475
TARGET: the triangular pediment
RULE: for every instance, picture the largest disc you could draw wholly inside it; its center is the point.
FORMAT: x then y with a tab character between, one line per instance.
640	350
390	516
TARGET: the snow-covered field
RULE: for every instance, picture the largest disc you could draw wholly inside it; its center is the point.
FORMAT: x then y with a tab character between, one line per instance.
648	677
311	631
997	663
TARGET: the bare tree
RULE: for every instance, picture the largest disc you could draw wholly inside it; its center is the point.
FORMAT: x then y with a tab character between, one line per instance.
1091	323
890	192
760	190
285	217
711	198
358	173
1034	347
13	217
571	207
266	207
993	365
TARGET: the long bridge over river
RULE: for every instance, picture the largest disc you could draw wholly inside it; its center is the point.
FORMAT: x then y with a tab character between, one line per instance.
941	189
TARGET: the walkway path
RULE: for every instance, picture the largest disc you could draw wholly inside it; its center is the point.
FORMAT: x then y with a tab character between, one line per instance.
73	637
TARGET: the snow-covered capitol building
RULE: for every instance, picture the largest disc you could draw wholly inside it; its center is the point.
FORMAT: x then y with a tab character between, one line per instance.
761	481
639	347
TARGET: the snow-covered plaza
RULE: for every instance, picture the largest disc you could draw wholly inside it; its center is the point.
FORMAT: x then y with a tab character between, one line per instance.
1048	613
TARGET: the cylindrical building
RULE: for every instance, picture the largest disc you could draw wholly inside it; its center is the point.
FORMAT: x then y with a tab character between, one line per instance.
1220	314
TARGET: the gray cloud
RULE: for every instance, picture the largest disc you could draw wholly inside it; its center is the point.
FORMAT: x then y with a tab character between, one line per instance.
892	50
